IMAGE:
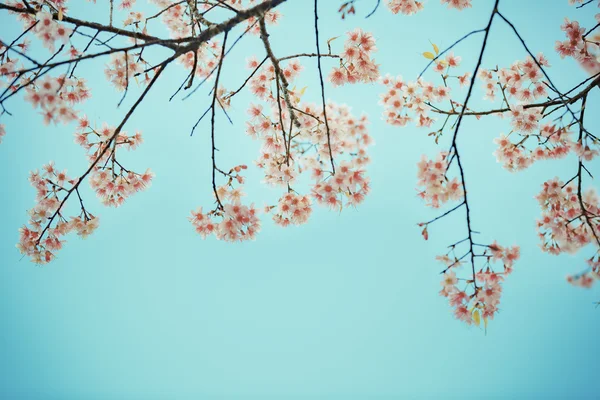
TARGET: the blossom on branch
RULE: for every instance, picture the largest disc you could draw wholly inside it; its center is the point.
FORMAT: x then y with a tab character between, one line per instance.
477	297
356	64
56	97
48	222
112	182
435	188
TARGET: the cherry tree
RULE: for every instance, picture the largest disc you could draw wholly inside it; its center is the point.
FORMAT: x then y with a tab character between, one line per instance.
325	141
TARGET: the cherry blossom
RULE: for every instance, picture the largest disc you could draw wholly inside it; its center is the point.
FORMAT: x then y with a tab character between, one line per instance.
406	7
284	159
551	142
295	139
230	220
172	16
48	222
135	18
584	280
356	64
238	222
125	4
56	97
121	70
435	188
292	209
112	182
526	97
564	225
49	31
458	4
205	59
579	45
477	297
311	154
404	102
409	7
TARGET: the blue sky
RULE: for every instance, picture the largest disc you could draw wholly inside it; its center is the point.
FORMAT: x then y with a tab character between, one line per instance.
343	307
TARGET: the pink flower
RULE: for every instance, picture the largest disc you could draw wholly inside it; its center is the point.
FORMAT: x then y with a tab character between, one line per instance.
452	60
435	189
356	64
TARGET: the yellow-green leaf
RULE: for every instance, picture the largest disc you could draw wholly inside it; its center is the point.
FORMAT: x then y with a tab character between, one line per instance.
435	48
476	317
60	14
428	55
332	39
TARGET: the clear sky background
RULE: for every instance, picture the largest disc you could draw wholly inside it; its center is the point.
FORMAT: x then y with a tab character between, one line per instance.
346	306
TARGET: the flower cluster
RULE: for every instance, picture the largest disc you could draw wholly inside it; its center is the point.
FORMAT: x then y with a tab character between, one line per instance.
230	220
272	16
8	65
349	141
435	188
458	4
45	9
176	15
525	119
112	182
523	81
56	97
49	31
126	4
587	150
356	64
478	298
134	18
204	59
294	140
284	158
237	222
584	280
405	101
122	68
173	17
292	209
584	49
551	142
260	85
406	7
409	7
587	278
348	187
47	225
533	140
563	226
